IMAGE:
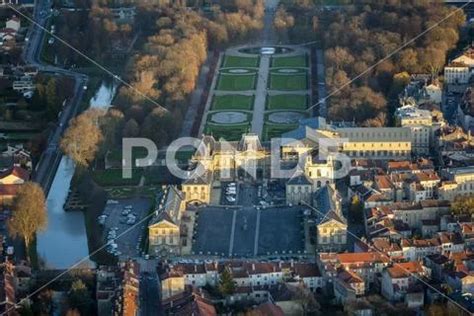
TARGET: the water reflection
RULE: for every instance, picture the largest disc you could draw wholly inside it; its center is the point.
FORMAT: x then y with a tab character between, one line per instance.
64	242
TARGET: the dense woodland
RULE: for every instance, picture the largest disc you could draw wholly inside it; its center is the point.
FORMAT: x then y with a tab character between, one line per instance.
175	44
167	67
358	39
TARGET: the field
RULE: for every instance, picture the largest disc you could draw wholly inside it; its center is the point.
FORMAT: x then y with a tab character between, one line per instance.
293	61
236	82
232	102
288	82
287	101
228	132
237	61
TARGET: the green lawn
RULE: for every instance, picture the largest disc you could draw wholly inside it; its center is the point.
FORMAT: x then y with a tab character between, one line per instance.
288	82
115	156
236	82
159	175
231	102
274	130
237	61
113	177
228	132
293	61
287	101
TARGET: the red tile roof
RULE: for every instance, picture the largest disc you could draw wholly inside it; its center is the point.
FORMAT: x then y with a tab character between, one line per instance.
9	190
361	257
405	269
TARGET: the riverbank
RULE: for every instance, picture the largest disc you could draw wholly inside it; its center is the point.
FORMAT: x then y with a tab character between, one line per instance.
65	242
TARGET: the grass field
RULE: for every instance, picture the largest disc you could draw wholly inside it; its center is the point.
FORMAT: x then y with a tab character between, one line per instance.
287	101
228	132
232	102
288	82
236	82
115	157
113	177
248	117
275	130
237	61
293	61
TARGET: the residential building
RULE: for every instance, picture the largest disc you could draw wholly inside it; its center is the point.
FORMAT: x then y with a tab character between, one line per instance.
460	69
399	279
348	286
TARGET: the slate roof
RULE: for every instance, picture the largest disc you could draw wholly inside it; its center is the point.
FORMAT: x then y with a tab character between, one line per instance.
300	179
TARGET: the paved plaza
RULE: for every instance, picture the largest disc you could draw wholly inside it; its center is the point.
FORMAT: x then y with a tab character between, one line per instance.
249	232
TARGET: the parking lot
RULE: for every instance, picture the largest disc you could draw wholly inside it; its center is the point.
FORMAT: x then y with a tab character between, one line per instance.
118	215
249	232
228	193
244	194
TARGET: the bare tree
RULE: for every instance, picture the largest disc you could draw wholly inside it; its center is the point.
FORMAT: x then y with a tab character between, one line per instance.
29	212
82	138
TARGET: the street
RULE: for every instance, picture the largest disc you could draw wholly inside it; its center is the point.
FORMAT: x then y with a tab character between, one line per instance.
49	161
149	294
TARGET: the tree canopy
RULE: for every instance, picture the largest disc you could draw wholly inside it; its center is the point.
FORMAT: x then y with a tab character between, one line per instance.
82	138
29	212
226	283
367	43
463	205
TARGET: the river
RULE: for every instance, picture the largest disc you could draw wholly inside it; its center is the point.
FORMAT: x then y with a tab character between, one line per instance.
64	242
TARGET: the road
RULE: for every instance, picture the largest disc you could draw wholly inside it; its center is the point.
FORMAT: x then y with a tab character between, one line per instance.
49	161
149	294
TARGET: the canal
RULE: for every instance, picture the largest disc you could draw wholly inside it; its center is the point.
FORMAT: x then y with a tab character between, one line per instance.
64	242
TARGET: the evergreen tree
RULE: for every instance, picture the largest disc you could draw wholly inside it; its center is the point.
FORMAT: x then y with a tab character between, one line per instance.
226	283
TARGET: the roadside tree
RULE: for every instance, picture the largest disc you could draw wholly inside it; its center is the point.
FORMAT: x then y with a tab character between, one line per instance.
29	213
82	138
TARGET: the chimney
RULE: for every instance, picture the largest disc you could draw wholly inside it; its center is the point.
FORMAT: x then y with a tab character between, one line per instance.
253	266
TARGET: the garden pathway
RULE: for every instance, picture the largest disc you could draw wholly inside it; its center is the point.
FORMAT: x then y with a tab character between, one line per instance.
260	95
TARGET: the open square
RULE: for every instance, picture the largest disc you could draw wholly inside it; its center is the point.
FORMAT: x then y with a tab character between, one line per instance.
246	232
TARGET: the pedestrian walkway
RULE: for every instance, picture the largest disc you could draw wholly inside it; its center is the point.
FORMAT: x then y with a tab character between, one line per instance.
260	96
